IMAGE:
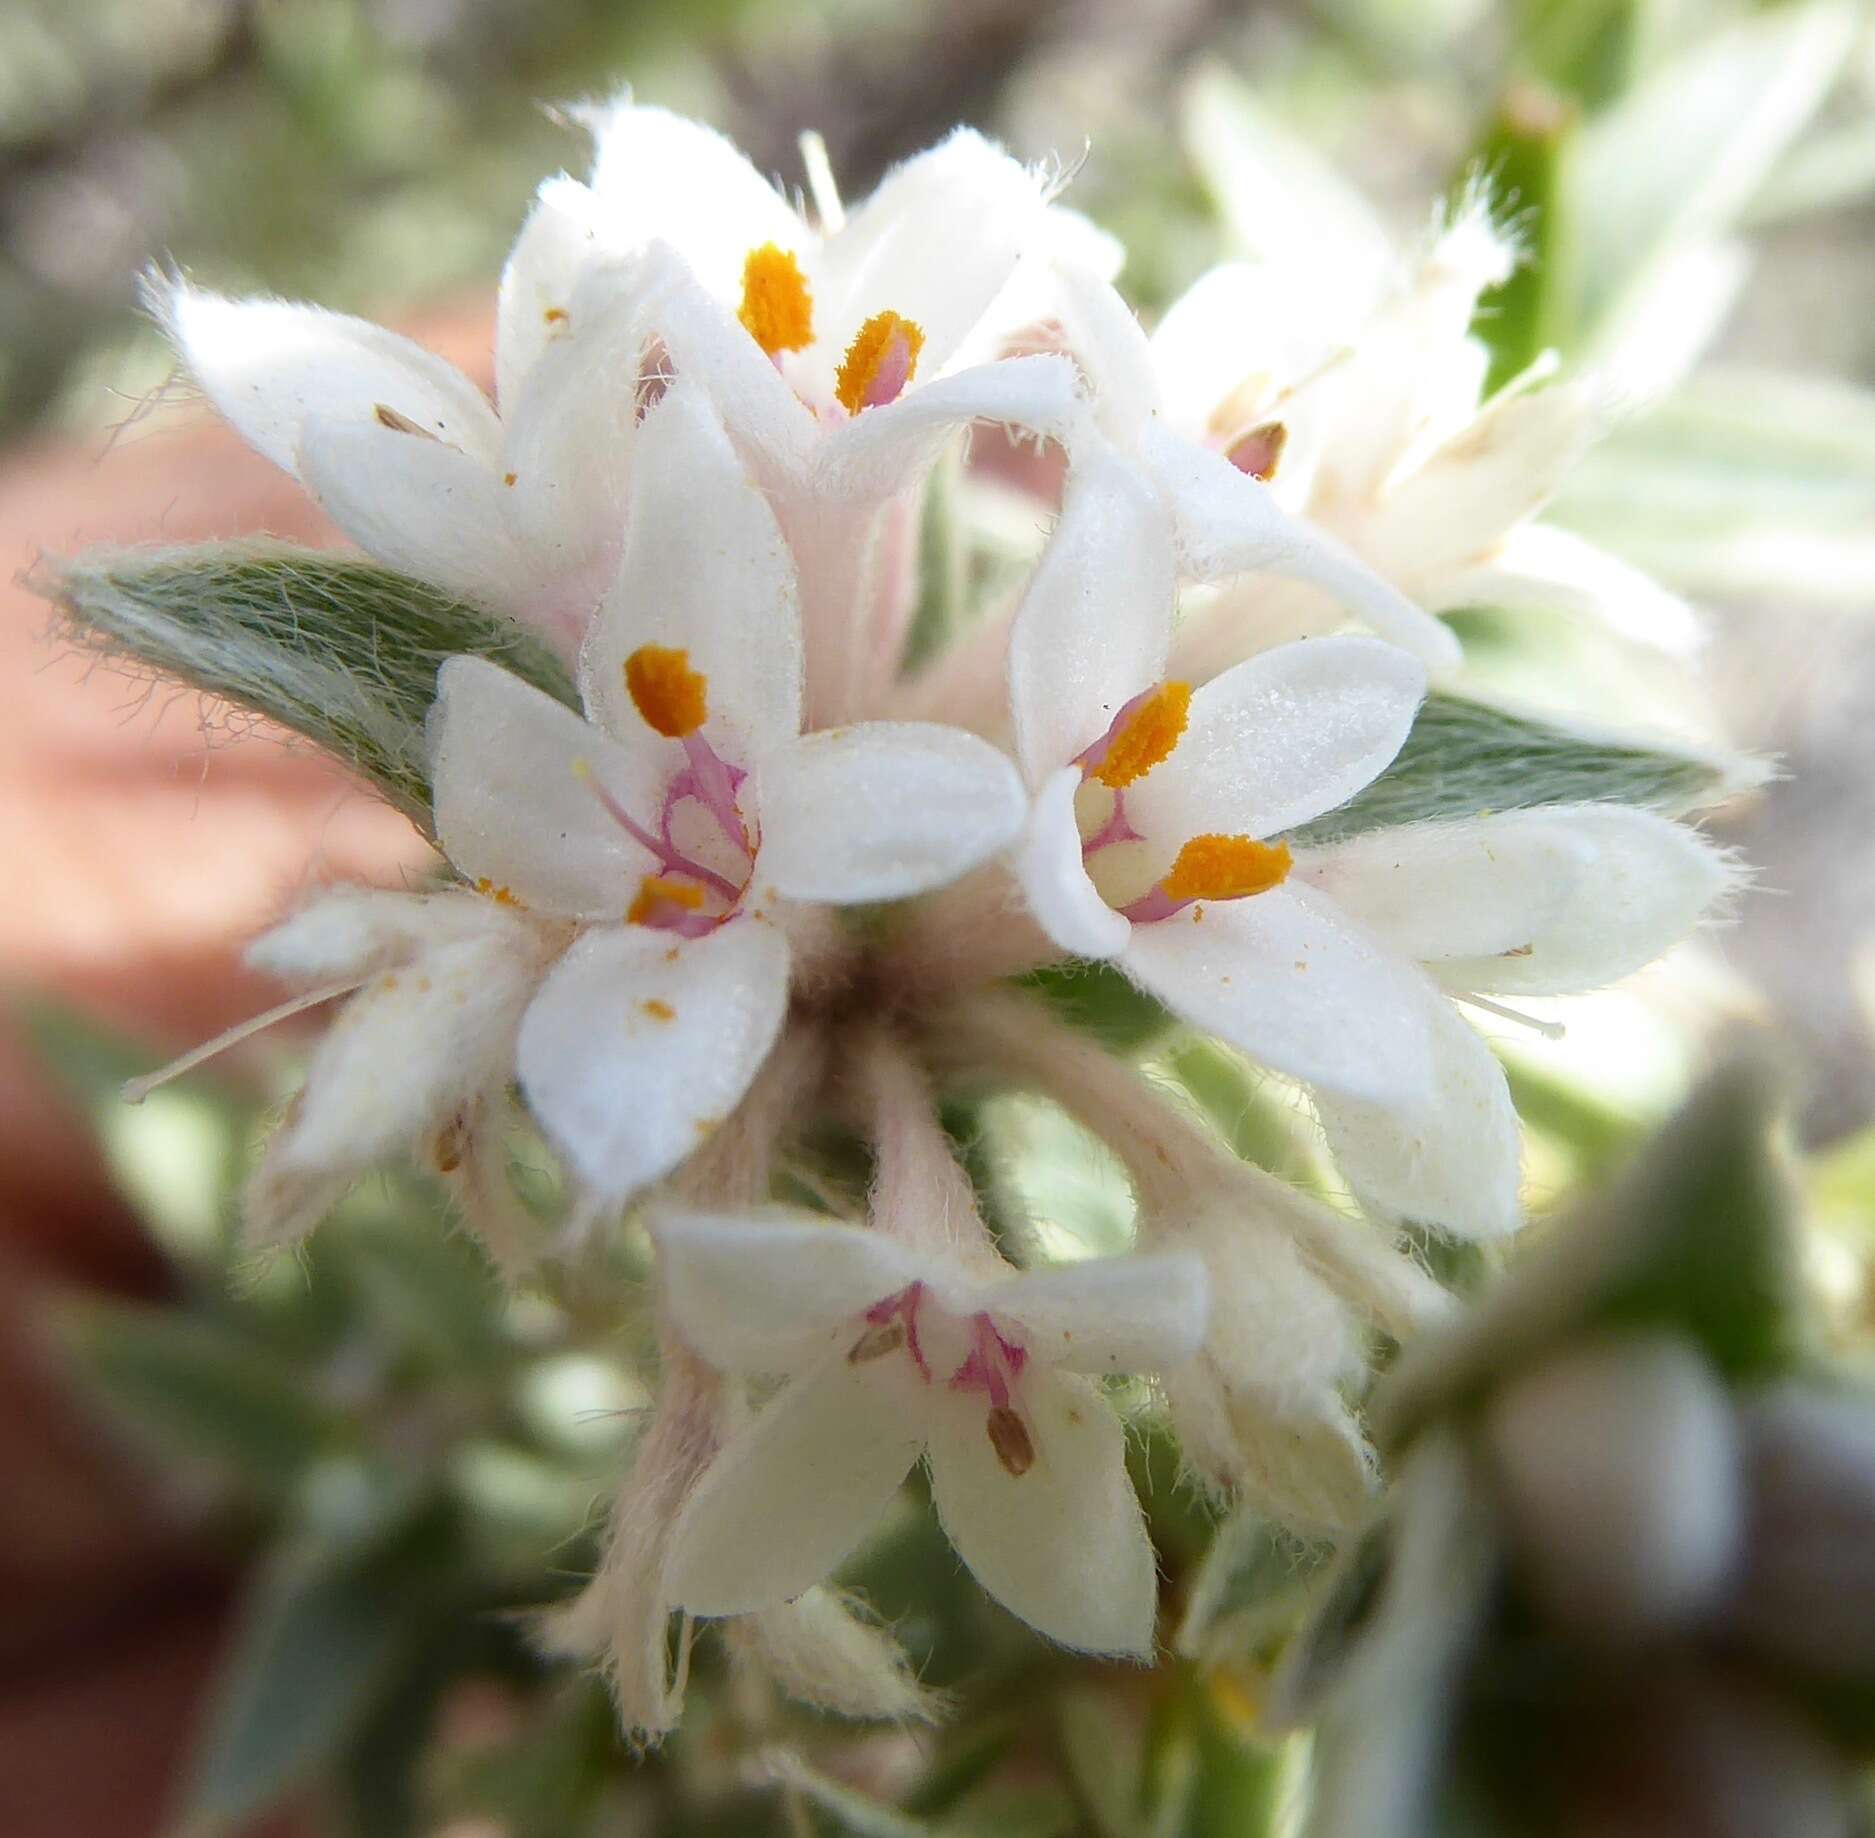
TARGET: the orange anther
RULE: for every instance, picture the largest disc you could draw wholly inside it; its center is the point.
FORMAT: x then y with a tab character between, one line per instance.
672	698
1146	736
880	361
659	890
777	309
1226	868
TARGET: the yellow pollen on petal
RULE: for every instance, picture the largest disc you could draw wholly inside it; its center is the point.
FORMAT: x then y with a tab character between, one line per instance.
885	344
501	895
658	1010
1226	868
1147	736
672	698
777	309
656	889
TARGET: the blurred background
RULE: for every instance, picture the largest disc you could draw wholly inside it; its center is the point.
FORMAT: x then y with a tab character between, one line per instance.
377	156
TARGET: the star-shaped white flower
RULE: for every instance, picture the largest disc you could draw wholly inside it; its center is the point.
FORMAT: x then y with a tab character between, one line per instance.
1349	381
841	354
517	511
1158	839
986	1372
689	817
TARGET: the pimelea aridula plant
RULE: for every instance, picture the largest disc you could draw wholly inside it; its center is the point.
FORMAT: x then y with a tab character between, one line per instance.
635	649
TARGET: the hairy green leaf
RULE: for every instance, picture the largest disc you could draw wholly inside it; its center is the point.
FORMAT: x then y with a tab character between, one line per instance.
1468	759
334	647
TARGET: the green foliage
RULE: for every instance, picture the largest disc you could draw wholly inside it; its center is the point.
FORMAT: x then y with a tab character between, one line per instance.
1466	759
1103	1001
323	1628
333	647
1526	158
1696	1237
197	1389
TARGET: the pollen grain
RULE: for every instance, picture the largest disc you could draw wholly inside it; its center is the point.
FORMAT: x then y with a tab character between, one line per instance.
777	308
672	698
880	361
1146	737
1226	868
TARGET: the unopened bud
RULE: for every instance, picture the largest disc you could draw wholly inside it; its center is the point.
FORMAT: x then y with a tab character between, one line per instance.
1620	1472
1807	1590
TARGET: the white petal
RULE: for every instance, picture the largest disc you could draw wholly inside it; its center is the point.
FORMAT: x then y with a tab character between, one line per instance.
798	1489
1106	341
1049	867
422	507
1229	524
638	1045
1095	623
759	1292
1500	470
1539	902
1281	738
883	810
268	365
409	1050
572	430
936	243
1108	1314
1063	1545
1641	885
828	1649
512	806
704	342
882	450
1450	1163
1233	327
1543	569
705	570
1285	978
658	177
558	243
351	930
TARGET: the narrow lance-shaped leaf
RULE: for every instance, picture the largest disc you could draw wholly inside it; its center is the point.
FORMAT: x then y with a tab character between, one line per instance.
1466	759
334	647
321	1635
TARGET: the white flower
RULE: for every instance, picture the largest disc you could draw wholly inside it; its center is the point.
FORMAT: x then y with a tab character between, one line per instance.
519	512
1157	840
890	1355
841	356
419	1058
689	818
1227	522
1352	384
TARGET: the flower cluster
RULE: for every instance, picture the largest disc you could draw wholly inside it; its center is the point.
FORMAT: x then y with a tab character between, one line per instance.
798	857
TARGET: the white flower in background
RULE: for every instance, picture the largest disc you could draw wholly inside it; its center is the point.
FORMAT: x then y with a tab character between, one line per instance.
519	512
1350	382
1159	835
987	1372
689	822
841	355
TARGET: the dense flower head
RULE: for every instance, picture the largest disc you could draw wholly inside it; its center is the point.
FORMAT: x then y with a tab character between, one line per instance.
742	884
